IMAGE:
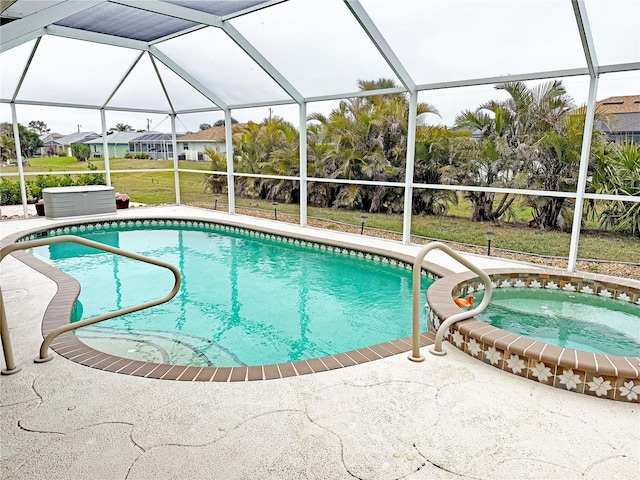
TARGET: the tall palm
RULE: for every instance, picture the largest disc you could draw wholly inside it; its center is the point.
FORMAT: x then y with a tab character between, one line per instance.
7	148
433	145
553	162
618	173
367	140
270	147
489	160
121	127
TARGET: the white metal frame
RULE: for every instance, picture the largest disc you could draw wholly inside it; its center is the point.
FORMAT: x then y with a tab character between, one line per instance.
41	23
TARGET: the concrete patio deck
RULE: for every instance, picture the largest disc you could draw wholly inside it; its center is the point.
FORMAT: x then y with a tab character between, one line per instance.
448	417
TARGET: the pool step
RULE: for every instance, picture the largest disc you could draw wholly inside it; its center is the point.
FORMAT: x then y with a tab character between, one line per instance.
158	346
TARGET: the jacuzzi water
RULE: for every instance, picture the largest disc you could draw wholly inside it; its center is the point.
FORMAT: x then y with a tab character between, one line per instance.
245	299
568	319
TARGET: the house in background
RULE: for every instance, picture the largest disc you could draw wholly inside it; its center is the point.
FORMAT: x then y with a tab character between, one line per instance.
156	145
50	145
626	118
117	143
192	145
79	137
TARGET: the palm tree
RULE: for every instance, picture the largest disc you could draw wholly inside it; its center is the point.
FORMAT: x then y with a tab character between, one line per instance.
7	149
490	160
618	173
366	139
121	127
270	147
520	143
433	145
216	183
553	163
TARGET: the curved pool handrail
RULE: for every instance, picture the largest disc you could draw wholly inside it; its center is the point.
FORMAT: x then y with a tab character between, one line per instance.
415	355
44	356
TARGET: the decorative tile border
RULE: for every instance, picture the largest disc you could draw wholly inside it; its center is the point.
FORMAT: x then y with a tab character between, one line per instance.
399	260
599	375
71	347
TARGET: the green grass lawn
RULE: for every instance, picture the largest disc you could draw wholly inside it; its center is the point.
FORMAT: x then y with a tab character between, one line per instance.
158	188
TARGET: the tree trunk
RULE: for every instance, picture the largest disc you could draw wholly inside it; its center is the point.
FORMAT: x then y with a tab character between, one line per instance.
482	206
550	214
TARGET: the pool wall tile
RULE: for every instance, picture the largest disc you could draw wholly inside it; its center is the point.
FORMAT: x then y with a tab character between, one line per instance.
238	374
541	372
159	371
174	372
119	365
255	373
357	356
302	367
271	372
586	361
628	389
583	372
569	379
146	369
189	374
369	354
287	370
94	359
131	367
568	358
330	362
220	374
344	359
316	365
602	386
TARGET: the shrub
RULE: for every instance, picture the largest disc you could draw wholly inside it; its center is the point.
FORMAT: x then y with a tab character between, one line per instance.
81	151
91	178
9	192
35	187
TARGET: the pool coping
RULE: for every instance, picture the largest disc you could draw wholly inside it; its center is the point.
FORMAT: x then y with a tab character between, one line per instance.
602	375
71	347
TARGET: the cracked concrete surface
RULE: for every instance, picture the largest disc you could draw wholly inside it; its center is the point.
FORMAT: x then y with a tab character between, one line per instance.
449	417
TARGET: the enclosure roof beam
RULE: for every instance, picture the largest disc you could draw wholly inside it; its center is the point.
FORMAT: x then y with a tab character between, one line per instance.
95	37
257	57
187	77
30	27
580	12
572	72
255	8
84	106
381	44
172	10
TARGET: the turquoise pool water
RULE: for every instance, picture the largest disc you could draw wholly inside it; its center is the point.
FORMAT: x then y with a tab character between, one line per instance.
246	299
573	320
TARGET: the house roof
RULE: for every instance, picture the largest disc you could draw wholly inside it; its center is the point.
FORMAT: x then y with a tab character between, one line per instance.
153	137
624	123
118	138
622	104
79	137
50	137
213	134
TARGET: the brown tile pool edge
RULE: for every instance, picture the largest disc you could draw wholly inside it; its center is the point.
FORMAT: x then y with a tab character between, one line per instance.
72	348
604	376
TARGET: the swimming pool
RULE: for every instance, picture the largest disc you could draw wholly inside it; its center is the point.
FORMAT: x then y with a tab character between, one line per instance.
568	319
569	367
249	298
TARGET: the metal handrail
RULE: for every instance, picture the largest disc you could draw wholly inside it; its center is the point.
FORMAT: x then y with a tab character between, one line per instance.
44	356
415	355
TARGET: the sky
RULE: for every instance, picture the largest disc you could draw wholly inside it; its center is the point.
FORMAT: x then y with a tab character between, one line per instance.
436	41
